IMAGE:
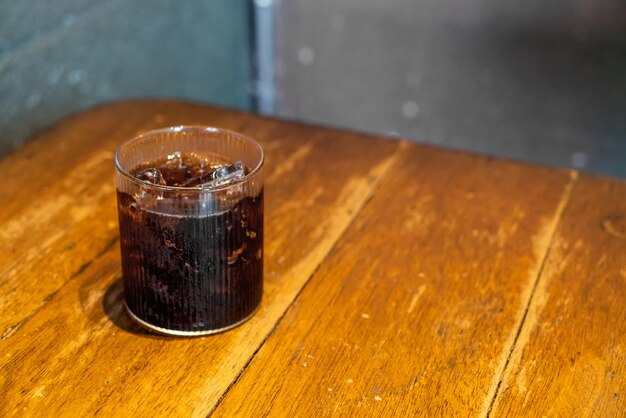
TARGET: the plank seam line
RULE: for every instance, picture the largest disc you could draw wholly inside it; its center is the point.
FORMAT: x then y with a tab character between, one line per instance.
396	155
563	207
11	329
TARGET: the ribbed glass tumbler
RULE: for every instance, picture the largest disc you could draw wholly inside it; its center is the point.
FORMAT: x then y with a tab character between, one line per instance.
192	256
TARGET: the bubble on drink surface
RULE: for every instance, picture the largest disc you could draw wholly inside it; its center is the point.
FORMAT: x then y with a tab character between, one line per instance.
176	155
225	175
151	175
175	159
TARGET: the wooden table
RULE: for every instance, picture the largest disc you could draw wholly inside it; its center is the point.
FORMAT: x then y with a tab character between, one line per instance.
401	280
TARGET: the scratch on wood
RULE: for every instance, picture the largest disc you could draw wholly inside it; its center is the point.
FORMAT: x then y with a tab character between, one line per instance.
415	298
11	330
520	334
609	226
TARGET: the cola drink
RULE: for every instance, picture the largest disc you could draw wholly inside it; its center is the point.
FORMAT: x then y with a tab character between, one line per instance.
191	234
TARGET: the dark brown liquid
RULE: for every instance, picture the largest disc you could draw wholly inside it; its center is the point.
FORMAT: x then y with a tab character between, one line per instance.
181	170
191	273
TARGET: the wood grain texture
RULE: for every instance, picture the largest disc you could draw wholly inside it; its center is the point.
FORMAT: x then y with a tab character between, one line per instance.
75	351
415	311
56	211
570	358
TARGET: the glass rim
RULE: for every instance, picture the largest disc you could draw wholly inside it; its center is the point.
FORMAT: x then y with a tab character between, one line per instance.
180	128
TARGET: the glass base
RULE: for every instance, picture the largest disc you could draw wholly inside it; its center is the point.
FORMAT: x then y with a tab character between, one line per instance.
179	333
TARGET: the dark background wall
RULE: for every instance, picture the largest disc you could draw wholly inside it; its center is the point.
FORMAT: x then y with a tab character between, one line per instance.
537	81
57	57
543	81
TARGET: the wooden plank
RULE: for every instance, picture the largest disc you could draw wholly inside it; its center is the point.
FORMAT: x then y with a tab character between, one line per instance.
79	354
415	310
570	358
61	184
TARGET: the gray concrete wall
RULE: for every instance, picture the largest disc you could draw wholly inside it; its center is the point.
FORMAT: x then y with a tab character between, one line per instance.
539	81
59	57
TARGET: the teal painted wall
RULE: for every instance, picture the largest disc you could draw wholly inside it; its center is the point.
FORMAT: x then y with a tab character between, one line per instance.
59	57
